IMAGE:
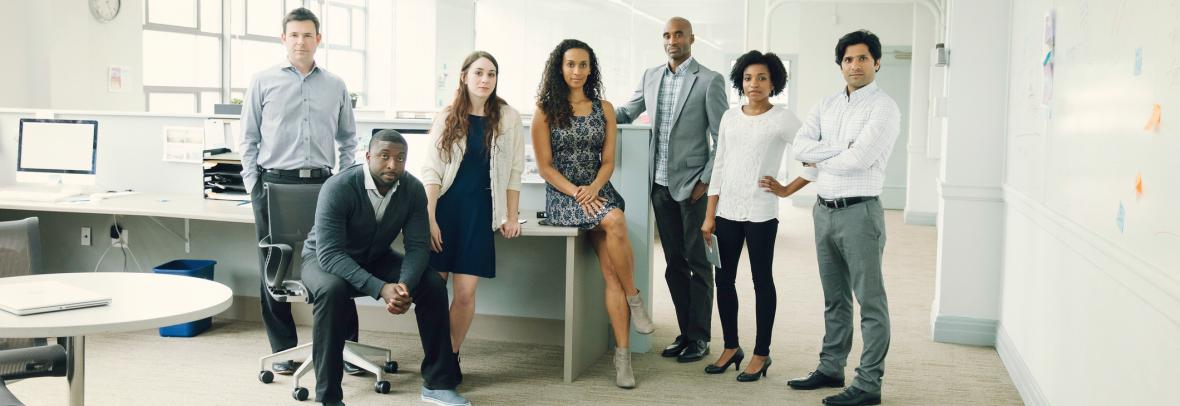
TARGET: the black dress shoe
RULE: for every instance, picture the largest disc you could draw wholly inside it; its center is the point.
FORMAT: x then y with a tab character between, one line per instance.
694	351
287	367
354	370
675	348
735	360
853	396
816	380
744	377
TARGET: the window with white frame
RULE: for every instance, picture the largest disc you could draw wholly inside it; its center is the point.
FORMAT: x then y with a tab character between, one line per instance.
186	66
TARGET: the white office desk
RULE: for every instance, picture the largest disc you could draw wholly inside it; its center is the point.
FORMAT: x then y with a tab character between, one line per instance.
138	301
586	327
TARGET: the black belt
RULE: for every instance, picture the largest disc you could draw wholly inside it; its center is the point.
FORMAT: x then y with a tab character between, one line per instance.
844	201
315	173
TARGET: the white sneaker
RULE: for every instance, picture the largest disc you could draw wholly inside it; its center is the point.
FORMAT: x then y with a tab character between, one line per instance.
444	397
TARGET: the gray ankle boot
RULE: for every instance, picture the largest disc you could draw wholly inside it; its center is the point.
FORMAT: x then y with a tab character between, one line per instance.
624	378
639	316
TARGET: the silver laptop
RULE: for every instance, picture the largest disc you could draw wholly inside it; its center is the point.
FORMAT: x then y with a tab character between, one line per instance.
27	298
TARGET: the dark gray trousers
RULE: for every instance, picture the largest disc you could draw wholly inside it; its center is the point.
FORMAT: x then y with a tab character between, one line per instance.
689	273
334	316
276	316
849	242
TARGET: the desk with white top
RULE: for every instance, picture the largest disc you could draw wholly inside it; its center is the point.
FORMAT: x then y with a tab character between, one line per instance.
586	327
138	301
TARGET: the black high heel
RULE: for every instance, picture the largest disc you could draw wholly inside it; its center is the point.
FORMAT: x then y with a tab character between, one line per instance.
744	377
736	360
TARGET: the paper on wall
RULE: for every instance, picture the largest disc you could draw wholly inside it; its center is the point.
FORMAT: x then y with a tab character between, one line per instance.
183	144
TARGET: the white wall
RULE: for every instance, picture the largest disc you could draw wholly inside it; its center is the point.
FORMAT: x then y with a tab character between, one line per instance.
14	74
70	52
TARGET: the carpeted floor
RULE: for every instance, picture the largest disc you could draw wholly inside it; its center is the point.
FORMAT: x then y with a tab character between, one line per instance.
219	367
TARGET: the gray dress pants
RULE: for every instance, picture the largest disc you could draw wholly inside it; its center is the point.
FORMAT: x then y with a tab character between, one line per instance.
849	242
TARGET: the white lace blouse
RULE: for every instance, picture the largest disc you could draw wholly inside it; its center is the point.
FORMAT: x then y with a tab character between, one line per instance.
748	148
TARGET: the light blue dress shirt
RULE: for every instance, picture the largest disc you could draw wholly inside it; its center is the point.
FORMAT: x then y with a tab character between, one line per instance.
291	121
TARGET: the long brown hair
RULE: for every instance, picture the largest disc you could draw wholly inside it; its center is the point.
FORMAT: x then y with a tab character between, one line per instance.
456	122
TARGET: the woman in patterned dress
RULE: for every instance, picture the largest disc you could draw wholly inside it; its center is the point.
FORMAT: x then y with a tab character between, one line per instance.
574	135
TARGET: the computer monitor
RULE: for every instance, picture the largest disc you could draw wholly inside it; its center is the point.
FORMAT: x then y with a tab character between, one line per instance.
55	151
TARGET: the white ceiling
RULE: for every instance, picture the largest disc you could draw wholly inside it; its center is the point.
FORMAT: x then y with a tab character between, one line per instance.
721	22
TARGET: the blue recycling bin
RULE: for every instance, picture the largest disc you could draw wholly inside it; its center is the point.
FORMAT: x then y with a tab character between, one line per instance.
197	268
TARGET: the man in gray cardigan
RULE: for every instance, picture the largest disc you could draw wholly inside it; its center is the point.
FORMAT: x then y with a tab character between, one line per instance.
685	101
359	213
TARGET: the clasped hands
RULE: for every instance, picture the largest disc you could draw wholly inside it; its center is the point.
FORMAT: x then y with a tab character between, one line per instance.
397	297
588	198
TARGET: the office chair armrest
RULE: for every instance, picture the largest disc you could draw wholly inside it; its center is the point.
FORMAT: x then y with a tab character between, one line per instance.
31	362
276	268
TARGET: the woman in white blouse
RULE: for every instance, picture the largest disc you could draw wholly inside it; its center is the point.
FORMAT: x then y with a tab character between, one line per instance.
743	202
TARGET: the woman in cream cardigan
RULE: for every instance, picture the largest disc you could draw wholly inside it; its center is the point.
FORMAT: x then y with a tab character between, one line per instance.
472	179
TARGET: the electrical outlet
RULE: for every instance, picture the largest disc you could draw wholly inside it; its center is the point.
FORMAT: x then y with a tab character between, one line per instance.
85	236
122	240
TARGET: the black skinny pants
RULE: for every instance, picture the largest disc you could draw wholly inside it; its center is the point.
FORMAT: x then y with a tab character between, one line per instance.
759	239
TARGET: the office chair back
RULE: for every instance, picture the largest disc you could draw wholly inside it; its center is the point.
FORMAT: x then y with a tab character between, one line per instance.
291	209
20	254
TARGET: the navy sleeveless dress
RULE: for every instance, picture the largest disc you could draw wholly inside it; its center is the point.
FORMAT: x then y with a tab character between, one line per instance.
464	212
577	155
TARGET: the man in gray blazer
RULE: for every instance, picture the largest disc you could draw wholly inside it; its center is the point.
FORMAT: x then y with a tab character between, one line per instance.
685	102
361	211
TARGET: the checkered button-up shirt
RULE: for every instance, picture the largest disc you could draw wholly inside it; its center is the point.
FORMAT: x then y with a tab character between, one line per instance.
850	138
670	86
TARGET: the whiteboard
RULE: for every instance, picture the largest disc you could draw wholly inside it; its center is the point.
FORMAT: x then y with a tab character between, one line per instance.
1081	153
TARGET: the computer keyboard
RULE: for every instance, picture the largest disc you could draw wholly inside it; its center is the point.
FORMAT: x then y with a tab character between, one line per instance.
34	196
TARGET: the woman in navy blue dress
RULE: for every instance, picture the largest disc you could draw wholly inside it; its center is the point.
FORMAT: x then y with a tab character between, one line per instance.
472	180
574	135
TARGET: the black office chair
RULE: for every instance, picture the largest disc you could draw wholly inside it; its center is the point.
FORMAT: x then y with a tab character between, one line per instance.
292	214
20	358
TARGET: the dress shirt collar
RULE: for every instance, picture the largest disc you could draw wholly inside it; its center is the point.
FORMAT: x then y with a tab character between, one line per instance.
862	92
371	185
288	65
683	65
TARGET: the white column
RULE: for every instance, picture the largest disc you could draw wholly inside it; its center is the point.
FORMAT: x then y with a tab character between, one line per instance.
922	172
970	214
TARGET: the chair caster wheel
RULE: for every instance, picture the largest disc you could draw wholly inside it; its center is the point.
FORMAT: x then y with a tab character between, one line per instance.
266	376
381	387
299	394
391	367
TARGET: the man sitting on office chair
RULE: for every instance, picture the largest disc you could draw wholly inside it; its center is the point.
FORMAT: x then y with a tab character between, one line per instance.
360	212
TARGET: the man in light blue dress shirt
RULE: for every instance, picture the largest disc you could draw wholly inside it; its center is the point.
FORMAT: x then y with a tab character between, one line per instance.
295	120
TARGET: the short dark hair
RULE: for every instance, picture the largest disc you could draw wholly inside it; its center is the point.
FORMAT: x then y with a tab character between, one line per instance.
778	72
388	136
859	37
301	14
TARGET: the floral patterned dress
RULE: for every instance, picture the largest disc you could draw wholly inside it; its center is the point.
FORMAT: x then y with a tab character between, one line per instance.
577	155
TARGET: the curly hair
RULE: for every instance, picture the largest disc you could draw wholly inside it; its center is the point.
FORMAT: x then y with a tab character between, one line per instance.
553	92
778	73
456	121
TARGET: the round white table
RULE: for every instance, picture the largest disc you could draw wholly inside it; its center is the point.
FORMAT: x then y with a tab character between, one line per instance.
138	301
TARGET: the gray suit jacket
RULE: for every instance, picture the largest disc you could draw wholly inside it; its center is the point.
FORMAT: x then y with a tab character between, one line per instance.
347	238
696	117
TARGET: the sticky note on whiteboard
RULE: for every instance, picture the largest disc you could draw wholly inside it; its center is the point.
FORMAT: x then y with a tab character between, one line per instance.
1153	123
1138	61
1120	218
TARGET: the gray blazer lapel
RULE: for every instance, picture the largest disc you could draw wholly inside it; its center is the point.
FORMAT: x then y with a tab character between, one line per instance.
651	90
685	89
